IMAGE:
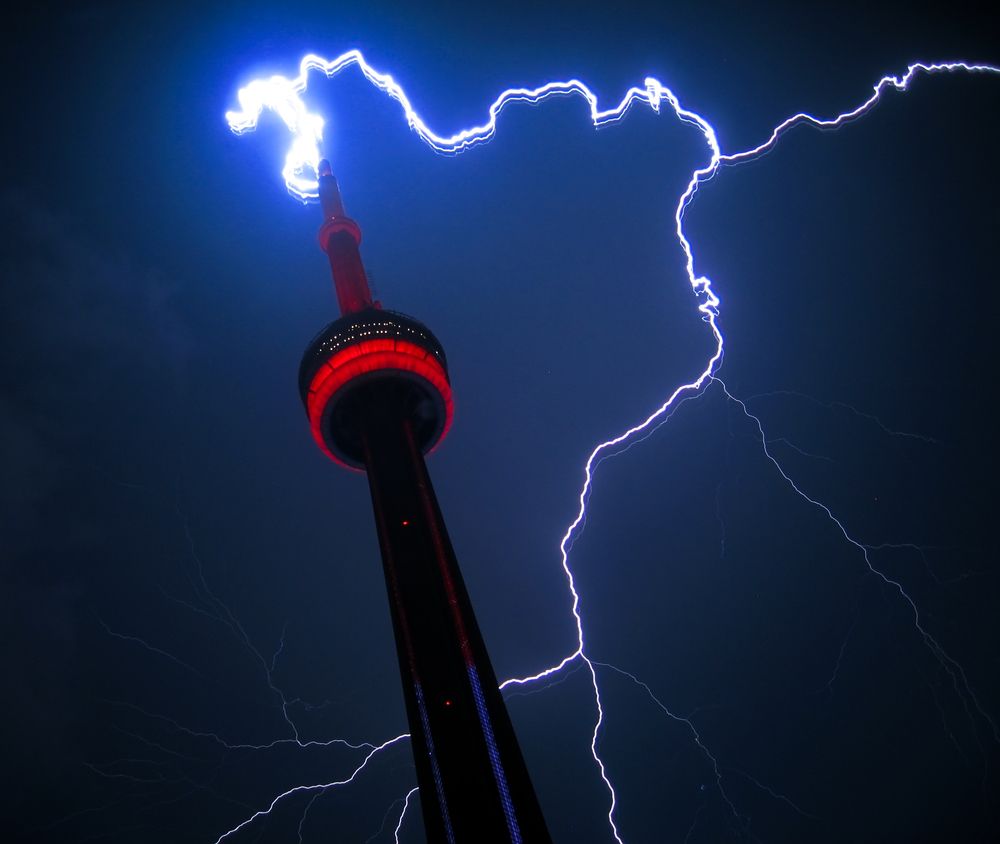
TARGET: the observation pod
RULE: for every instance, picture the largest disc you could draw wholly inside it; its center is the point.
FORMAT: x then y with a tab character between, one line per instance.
377	395
366	354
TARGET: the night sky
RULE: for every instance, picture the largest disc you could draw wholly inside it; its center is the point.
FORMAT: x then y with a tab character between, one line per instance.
178	557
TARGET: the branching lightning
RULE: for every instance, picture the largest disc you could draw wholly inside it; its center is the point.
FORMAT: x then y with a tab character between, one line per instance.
310	789
284	97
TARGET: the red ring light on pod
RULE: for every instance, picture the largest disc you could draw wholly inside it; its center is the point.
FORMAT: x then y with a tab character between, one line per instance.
368	357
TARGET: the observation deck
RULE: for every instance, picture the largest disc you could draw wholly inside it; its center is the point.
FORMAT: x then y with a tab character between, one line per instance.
367	352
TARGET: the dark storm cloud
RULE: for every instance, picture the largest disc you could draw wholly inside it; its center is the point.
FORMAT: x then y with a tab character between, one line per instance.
78	323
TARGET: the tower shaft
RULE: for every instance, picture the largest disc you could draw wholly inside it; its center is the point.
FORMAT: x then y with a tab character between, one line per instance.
474	784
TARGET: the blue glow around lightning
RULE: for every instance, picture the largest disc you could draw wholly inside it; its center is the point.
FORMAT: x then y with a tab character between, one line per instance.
284	97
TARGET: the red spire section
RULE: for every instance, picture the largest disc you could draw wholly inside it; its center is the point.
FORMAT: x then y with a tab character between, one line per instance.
340	237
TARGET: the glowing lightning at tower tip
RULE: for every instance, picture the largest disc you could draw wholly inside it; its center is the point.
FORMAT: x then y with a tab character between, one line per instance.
282	96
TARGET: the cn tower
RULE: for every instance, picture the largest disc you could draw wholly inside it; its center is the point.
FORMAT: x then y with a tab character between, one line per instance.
376	390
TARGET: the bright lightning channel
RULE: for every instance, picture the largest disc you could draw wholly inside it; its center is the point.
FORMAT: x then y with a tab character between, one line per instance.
284	97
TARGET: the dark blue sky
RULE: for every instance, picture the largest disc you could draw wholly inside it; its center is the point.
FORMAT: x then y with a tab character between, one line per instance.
167	520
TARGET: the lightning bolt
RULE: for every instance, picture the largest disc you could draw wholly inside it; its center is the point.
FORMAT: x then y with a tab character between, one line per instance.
283	96
314	789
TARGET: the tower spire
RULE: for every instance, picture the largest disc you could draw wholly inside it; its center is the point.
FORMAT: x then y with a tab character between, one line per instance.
329	192
340	238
